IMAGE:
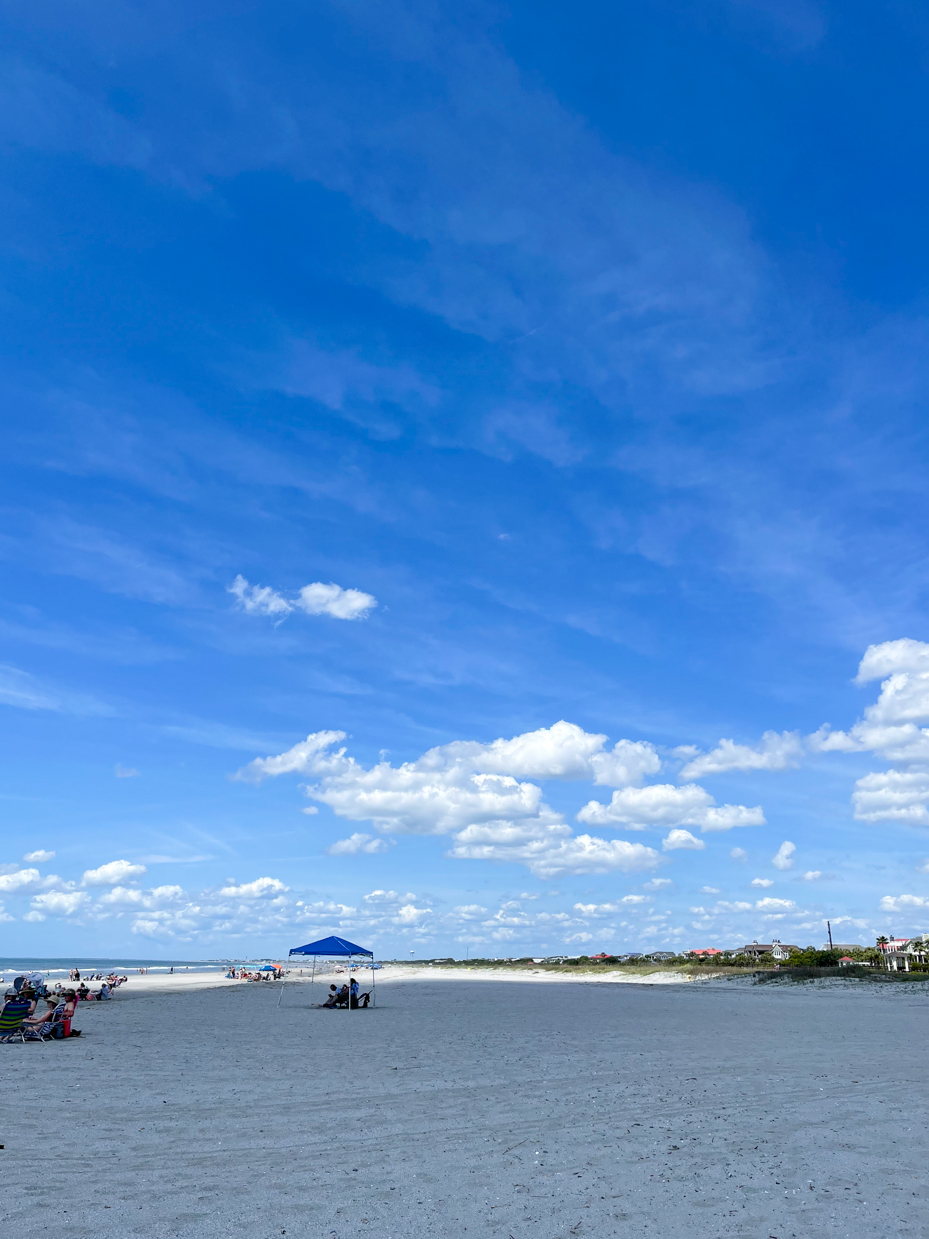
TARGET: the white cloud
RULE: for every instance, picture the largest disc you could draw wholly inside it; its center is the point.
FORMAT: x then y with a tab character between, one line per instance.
609	909
811	875
709	890
132	897
481	793
57	903
549	850
315	599
775	752
628	762
904	656
125	772
310	756
19	879
890	725
656	884
775	905
113	873
893	795
562	751
259	599
681	839
333	600
764	882
903	903
39	857
474	790
783	857
260	888
357	843
662	804
739	854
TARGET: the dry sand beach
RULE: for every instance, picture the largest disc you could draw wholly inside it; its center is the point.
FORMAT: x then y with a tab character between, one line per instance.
535	1111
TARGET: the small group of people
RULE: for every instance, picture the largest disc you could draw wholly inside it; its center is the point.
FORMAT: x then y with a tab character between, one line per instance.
30	1017
112	979
264	975
349	995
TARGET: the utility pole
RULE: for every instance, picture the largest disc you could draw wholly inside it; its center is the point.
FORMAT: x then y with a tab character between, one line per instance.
829	930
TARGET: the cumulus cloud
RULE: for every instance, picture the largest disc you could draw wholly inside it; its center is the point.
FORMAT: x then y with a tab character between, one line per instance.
482	793
893	796
656	884
890	727
775	905
709	890
903	903
132	897
783	857
608	909
333	600
762	882
562	751
57	903
678	839
113	873
39	857
478	792
662	804
739	854
317	598
811	875
18	879
549	849
777	751
357	843
259	889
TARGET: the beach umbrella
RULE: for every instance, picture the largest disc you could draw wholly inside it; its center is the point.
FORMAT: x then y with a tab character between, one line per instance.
333	948
268	968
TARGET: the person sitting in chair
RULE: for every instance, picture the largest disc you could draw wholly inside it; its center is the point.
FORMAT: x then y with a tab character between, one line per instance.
357	999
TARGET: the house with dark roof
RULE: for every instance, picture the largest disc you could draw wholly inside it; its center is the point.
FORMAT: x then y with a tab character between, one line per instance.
776	950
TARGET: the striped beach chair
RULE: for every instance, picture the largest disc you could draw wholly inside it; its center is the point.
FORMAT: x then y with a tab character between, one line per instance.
46	1030
14	1012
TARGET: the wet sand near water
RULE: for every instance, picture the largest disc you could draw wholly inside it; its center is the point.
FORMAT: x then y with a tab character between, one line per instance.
535	1111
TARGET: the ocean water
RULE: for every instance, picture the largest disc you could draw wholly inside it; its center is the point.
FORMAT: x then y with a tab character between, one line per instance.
58	969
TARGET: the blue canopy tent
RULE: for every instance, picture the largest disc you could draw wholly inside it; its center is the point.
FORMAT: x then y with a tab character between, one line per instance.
334	948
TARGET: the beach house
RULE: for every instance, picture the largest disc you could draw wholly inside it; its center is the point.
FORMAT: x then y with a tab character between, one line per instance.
776	950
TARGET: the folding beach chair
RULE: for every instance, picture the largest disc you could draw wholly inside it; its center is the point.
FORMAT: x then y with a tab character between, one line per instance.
11	1019
48	1029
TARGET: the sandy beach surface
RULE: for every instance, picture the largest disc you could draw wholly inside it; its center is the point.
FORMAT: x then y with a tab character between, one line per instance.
476	1107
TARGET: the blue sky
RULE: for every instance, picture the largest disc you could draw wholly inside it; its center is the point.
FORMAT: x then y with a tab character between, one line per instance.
581	353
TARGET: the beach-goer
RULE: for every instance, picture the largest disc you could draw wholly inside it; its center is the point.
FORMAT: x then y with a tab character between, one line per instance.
15	1010
39	1023
357	999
